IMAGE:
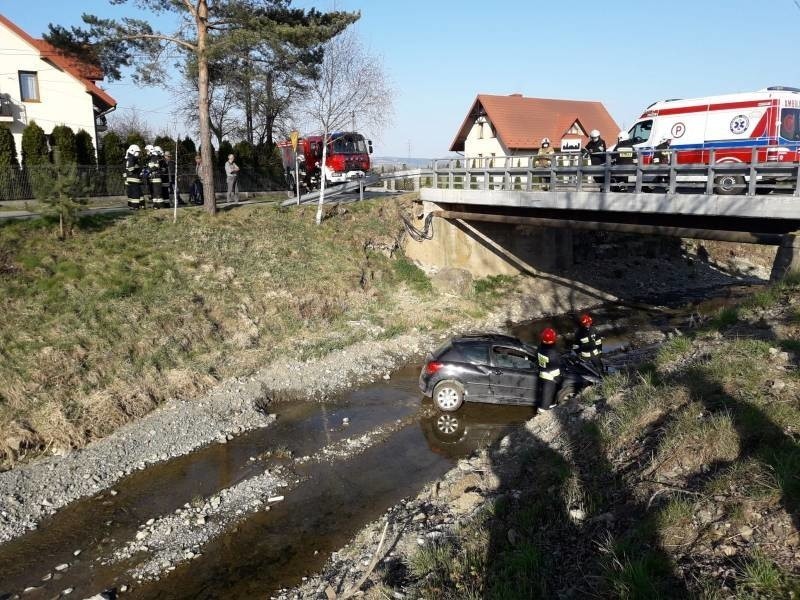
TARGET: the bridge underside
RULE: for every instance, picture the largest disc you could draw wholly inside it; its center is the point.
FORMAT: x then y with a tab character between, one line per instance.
492	220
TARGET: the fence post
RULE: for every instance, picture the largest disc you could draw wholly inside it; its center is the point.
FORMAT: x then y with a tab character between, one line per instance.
579	182
486	185
638	185
673	174
436	175
529	173
751	185
553	159
607	177
710	173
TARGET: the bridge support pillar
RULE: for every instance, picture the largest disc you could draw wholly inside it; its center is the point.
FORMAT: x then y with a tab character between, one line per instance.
787	260
486	249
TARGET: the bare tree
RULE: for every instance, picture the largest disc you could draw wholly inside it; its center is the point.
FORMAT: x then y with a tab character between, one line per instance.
350	82
127	122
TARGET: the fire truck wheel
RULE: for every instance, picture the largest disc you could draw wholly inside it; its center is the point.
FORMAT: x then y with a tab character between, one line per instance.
727	185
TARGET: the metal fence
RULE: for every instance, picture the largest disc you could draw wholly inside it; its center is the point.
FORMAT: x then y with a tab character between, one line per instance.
20	184
573	172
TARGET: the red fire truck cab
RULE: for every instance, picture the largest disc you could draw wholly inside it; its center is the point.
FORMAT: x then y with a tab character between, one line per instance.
347	158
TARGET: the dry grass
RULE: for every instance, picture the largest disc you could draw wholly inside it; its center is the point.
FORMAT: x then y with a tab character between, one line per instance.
103	327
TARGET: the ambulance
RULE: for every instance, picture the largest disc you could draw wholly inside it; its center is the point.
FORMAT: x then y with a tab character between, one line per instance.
732	125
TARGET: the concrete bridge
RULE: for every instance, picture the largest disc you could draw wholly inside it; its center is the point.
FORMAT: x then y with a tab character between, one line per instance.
478	203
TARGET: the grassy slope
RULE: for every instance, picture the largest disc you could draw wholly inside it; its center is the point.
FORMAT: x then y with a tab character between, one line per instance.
687	485
104	326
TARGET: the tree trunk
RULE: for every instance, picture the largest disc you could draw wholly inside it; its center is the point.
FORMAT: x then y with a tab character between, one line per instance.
206	158
322	175
248	104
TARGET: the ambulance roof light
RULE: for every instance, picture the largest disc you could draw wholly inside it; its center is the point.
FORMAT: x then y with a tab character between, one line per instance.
782	88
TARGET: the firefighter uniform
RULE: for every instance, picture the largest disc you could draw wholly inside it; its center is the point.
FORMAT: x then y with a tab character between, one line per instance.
163	167
596	150
544	159
154	170
589	346
133	178
624	154
549	373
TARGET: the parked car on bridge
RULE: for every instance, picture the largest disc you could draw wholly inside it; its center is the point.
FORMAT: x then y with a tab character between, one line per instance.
493	368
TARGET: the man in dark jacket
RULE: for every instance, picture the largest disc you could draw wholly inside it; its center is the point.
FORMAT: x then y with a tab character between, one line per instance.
596	150
624	154
549	369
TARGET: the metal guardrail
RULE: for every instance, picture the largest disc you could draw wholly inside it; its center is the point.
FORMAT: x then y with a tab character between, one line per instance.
573	172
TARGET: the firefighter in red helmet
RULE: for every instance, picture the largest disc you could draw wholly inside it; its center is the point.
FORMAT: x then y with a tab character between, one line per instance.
588	345
549	369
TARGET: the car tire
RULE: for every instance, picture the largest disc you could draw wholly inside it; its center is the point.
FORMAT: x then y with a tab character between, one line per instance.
729	185
565	393
448	396
448	428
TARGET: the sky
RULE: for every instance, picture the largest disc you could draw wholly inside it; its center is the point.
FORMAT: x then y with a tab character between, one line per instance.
440	54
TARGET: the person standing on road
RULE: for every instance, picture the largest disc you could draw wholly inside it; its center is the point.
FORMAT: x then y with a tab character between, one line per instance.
588	345
154	169
196	191
549	369
133	177
232	177
596	151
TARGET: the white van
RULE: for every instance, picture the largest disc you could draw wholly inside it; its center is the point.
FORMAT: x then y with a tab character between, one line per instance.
732	125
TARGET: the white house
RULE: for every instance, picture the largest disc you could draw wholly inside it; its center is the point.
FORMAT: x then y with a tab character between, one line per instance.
40	83
498	126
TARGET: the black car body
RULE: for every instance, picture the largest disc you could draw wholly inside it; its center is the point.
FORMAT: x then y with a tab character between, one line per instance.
493	368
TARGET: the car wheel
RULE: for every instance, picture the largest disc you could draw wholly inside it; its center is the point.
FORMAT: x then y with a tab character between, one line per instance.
448	396
565	393
449	428
727	185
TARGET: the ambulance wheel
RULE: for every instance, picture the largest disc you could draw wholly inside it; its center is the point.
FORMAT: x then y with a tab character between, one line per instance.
728	185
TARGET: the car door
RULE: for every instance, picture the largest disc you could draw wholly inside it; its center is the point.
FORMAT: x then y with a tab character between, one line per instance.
477	370
514	375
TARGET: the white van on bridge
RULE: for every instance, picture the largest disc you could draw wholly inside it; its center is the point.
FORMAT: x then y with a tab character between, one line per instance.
751	127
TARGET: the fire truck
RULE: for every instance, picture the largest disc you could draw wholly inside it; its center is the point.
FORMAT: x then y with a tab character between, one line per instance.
347	159
732	125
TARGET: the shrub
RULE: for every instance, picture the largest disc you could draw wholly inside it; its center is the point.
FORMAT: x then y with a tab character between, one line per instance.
63	145
34	145
84	148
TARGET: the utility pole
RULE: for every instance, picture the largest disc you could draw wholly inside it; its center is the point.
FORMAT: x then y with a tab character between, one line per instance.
409	150
353	117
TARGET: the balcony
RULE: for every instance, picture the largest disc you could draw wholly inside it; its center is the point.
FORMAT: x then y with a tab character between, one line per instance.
6	109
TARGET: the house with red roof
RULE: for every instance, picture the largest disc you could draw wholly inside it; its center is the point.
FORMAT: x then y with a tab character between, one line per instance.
515	125
40	83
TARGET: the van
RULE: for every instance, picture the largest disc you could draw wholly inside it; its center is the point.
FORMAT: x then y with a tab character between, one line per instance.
731	125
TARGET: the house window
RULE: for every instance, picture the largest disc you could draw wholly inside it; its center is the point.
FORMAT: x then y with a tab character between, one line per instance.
28	86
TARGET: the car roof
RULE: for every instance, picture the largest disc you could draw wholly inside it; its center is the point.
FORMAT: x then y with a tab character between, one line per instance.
492	338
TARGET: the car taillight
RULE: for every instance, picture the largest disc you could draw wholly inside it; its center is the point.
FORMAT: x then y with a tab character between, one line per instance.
432	367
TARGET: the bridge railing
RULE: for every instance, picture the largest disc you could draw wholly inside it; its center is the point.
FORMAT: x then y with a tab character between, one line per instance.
655	171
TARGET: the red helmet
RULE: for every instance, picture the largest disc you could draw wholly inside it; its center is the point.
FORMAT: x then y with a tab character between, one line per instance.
548	335
585	320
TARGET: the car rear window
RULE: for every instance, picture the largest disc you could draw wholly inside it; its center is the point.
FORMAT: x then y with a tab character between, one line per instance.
439	352
476	354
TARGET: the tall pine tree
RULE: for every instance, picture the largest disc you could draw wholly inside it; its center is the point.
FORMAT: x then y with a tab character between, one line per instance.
207	30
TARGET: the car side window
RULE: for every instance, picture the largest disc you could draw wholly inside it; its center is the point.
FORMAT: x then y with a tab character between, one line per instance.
511	358
476	354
